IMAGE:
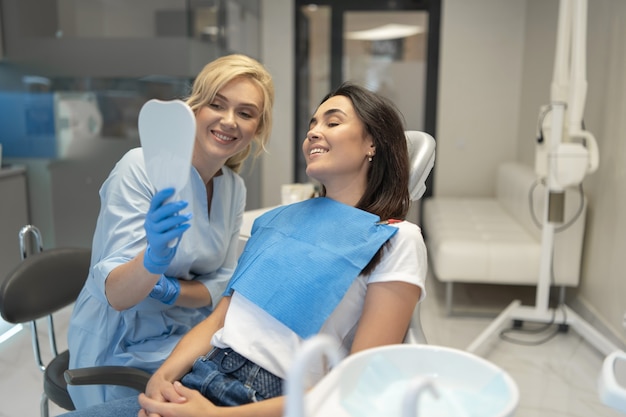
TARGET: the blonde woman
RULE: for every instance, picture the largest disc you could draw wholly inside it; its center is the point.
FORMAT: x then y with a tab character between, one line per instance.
142	296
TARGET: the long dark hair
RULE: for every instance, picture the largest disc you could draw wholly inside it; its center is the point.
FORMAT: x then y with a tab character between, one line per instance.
387	190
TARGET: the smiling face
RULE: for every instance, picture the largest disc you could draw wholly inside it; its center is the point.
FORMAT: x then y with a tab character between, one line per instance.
227	124
337	149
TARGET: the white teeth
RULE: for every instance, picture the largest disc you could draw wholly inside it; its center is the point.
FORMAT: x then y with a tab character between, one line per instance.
317	150
223	137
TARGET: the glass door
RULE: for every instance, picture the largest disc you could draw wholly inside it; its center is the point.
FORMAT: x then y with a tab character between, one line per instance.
386	52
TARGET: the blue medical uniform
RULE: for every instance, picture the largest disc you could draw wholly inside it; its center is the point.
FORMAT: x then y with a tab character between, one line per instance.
144	335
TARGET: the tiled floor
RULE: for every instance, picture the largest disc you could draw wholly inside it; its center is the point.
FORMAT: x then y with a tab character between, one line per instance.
556	379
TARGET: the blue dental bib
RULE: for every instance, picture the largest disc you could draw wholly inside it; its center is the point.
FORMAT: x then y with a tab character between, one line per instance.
302	258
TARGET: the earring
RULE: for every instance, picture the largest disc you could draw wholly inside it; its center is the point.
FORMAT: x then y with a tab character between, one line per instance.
369	157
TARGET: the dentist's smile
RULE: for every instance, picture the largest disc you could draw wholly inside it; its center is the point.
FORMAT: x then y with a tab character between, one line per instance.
222	136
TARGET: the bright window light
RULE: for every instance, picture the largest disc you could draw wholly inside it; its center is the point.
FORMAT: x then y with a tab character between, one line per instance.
385	32
12	331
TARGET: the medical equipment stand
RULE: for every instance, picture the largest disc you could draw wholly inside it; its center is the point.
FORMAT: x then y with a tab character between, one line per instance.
540	311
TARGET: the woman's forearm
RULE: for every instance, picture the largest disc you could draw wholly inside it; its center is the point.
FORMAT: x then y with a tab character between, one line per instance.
386	315
129	283
193	294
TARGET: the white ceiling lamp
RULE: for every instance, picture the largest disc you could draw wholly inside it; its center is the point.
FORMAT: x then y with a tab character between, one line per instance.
385	32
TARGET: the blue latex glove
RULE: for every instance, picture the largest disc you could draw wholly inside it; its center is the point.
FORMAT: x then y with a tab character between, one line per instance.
164	228
166	290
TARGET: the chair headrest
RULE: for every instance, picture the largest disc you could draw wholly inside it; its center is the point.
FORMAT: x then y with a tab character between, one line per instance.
421	160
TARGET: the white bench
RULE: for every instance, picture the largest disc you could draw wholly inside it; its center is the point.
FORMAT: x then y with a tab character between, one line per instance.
495	240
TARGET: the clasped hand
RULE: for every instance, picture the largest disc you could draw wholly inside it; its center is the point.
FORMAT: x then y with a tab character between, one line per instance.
164	228
166	399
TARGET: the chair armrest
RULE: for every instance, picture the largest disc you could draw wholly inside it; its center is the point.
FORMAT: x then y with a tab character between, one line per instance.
108	375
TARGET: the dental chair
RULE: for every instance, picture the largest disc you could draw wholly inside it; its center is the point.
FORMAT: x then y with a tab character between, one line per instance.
422	159
41	285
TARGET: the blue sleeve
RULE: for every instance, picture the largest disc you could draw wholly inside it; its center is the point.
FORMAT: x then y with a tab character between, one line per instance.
119	236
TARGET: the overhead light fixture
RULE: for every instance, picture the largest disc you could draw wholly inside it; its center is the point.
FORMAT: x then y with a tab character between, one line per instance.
385	32
210	30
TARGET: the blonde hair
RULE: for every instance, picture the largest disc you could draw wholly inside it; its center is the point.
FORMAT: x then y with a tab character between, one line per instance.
215	75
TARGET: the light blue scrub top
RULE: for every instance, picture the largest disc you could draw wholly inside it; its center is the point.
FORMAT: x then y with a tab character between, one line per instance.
143	336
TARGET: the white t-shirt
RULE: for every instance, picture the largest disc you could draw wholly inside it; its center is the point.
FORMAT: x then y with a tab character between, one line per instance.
261	338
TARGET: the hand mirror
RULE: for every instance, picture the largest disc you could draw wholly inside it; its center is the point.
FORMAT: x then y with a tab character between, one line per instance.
167	131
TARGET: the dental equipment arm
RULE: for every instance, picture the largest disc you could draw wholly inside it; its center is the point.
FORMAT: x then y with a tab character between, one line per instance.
569	152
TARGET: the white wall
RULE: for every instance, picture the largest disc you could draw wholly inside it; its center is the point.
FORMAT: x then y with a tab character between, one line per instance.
603	288
479	92
604	266
537	68
277	54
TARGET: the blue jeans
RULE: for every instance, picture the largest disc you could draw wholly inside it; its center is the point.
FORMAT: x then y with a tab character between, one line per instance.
223	376
124	407
227	378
